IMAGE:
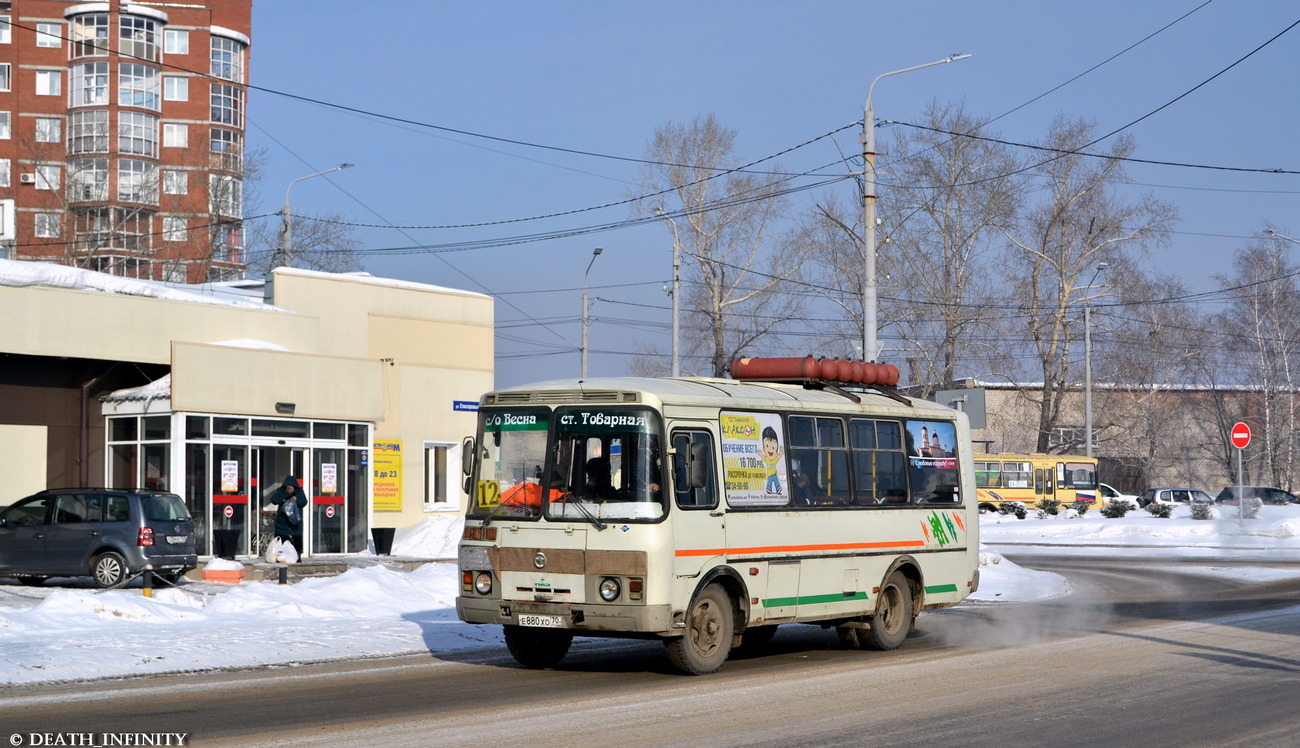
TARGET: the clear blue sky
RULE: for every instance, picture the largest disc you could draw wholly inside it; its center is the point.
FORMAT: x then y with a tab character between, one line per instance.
599	77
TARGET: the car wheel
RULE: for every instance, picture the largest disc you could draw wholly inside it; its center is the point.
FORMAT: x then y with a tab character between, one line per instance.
109	570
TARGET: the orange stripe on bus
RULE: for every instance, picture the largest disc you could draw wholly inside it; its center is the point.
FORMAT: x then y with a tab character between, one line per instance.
797	548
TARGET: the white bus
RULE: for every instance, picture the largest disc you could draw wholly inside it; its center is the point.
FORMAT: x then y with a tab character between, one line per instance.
706	512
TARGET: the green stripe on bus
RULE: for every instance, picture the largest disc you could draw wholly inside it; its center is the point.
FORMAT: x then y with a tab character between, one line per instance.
942	588
777	602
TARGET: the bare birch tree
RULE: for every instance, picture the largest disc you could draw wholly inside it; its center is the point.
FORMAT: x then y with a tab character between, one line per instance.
1059	242
724	220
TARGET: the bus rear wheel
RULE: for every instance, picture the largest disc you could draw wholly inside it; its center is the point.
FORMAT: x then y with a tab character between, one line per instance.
891	622
709	628
537	648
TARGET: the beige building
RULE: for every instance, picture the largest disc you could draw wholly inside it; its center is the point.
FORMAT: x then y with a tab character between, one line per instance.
362	387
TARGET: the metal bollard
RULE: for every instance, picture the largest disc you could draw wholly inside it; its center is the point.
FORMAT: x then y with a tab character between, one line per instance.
148	583
284	573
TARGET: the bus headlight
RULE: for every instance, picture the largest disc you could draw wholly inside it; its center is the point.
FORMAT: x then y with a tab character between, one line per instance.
483	583
610	589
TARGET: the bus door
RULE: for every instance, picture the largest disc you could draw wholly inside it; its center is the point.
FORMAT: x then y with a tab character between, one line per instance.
699	521
1043	485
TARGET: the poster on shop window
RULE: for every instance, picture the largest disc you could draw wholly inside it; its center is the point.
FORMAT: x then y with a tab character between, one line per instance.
753	459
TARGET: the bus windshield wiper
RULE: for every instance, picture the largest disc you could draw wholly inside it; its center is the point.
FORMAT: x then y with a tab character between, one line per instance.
568	499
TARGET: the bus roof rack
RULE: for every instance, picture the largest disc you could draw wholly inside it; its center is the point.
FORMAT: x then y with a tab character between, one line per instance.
821	373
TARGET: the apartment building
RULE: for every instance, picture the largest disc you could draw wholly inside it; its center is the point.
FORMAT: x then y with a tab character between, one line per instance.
122	136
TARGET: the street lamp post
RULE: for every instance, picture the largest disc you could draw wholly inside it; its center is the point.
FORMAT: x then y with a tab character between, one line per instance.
869	344
1087	363
677	287
594	254
1276	235
283	250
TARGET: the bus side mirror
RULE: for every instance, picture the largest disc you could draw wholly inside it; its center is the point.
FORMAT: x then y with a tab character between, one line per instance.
467	456
697	468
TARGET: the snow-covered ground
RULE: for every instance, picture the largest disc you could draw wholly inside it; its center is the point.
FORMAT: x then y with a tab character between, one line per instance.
71	631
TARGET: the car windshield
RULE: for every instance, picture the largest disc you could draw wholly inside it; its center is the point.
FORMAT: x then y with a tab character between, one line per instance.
166	507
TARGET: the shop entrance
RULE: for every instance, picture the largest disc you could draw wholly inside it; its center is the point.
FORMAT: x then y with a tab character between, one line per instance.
270	467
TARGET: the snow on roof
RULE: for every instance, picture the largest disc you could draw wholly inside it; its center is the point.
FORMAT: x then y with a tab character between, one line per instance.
363	277
158	389
23	273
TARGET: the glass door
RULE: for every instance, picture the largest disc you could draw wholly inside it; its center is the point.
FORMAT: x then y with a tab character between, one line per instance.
272	466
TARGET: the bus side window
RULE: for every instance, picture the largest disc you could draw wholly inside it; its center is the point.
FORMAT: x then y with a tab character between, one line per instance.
690	449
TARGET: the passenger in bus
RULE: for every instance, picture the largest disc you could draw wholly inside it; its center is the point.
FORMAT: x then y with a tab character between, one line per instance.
895	496
529	494
599	486
803	489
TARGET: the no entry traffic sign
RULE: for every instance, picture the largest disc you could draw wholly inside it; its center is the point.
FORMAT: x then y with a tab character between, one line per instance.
1240	435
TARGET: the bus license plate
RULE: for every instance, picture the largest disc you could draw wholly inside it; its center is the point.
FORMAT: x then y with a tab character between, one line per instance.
546	622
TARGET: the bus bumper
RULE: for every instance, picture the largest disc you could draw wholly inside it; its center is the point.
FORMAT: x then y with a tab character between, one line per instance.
655	619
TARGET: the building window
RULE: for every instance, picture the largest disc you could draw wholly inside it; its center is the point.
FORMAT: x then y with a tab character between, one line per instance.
49	83
4	172
176	42
49	34
441	467
138	86
227	149
227	59
49	130
47	177
138	38
174	229
227	105
4	126
4	28
137	133
5	76
175	182
90	35
137	181
176	88
88	132
90	84
47	225
88	179
226	196
175	135
227	242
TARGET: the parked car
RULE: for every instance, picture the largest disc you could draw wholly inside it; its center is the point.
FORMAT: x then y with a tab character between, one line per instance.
111	535
1174	496
1110	494
1266	494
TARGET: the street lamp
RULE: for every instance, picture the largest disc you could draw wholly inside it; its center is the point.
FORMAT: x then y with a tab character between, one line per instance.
594	254
1276	235
1087	362
869	344
283	250
677	287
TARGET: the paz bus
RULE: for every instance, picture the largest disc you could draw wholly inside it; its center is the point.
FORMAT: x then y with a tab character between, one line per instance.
706	512
1029	478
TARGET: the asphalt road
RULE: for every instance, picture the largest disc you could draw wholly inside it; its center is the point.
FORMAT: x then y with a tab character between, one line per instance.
1142	654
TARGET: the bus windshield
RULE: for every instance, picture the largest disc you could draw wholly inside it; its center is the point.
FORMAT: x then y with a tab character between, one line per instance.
512	452
609	457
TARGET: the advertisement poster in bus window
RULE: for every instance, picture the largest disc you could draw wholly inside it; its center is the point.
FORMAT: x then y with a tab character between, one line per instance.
753	459
931	450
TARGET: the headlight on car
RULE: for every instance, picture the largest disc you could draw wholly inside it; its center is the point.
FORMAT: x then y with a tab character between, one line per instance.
610	589
483	583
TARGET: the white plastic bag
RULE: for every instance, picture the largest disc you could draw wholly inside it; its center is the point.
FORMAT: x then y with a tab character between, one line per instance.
288	554
273	550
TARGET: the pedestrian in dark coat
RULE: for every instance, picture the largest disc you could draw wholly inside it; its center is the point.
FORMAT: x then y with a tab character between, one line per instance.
292	501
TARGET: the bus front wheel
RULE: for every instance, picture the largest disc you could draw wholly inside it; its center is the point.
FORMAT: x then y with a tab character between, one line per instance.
537	648
709	628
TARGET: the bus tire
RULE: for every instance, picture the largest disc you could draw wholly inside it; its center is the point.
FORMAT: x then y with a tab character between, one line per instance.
537	648
892	620
709	628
